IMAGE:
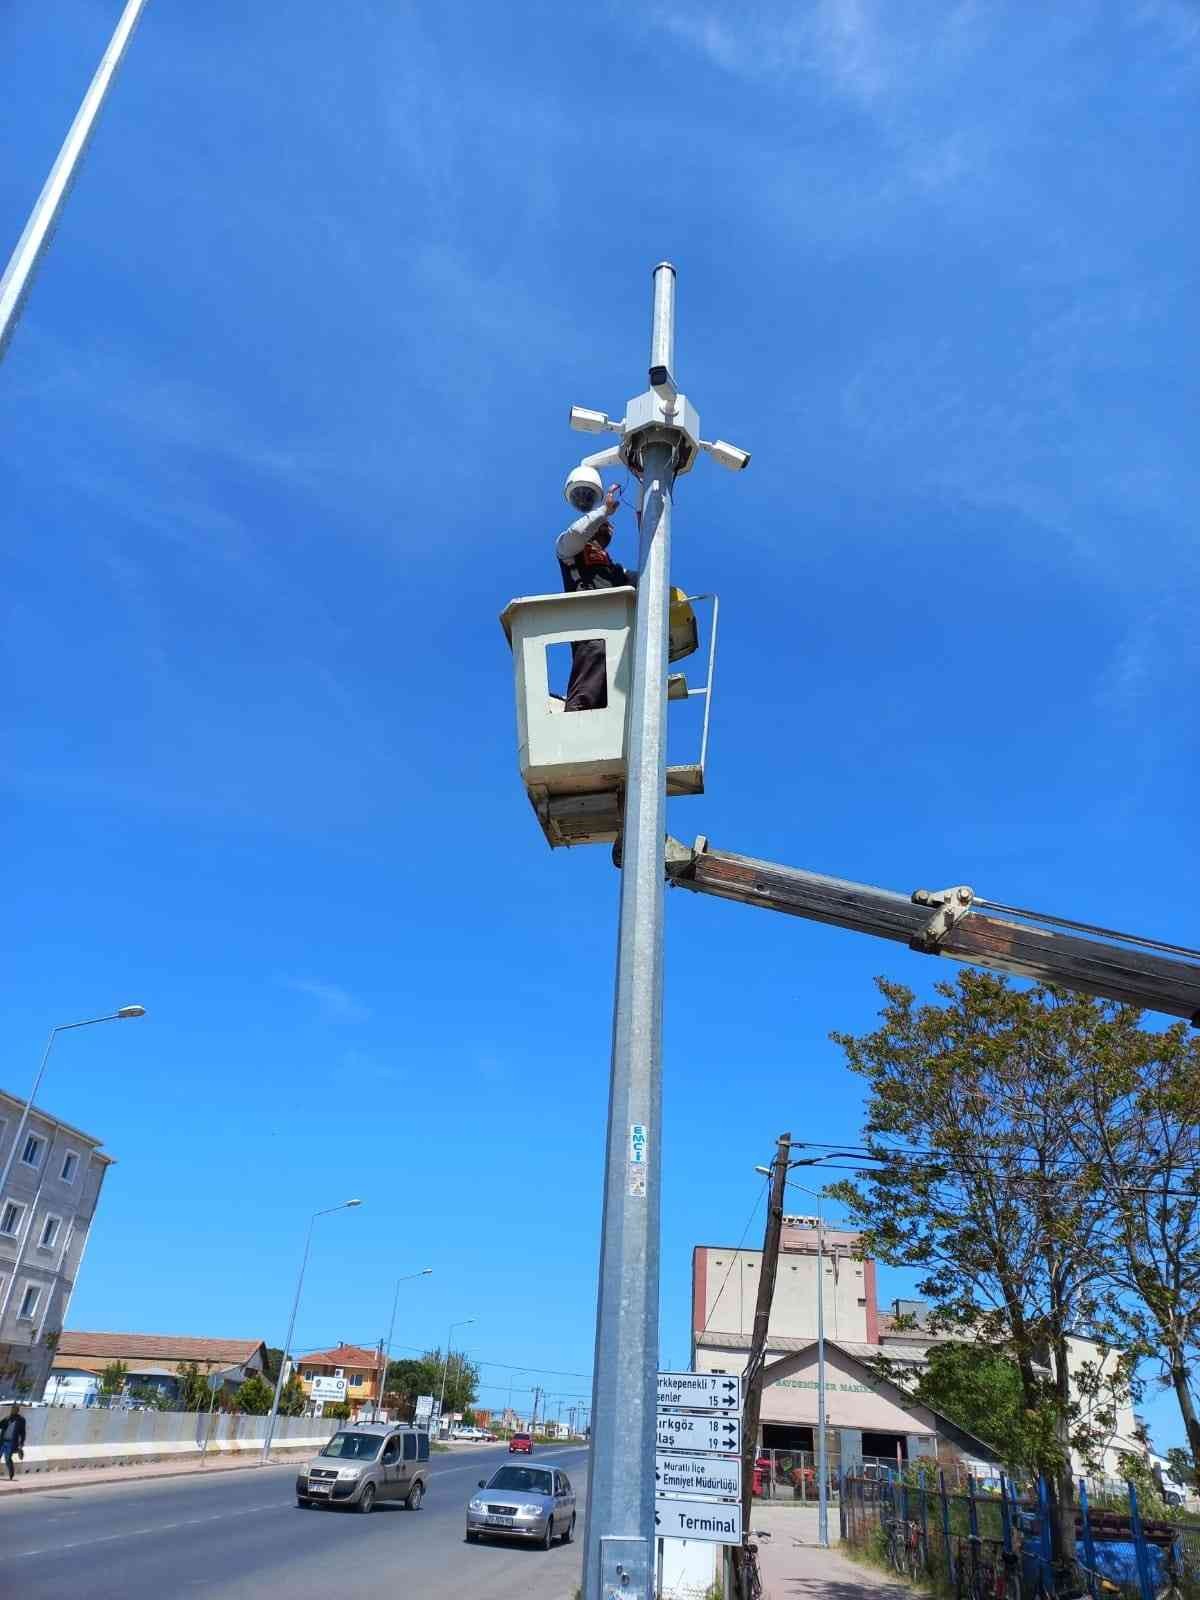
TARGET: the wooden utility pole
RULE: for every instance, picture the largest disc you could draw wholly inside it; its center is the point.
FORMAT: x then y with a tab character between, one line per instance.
752	1402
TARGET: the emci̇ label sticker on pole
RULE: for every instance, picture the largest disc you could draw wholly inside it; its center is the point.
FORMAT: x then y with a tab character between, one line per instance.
637	1159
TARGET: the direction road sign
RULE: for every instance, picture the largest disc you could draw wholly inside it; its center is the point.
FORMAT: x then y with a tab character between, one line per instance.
700	1391
697	1475
719	1522
714	1435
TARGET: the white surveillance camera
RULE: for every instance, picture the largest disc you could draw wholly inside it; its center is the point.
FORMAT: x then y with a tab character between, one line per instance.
726	454
585	421
584	488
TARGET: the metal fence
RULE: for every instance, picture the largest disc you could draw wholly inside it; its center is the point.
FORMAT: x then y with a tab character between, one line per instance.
996	1546
791	1476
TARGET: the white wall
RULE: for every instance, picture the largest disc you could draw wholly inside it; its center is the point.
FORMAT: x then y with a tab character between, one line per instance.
62	1436
725	1298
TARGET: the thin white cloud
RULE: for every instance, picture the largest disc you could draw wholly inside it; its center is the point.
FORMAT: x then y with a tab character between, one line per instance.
336	1004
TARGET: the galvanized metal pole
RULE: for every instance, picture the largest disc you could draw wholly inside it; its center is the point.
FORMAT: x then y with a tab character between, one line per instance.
822	1464
269	1432
44	216
14	285
620	1550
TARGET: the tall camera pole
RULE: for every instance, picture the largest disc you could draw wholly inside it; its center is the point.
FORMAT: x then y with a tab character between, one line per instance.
619	1555
660	440
14	285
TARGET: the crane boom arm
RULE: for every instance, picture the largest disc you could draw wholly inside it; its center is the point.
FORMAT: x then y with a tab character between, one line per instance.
949	922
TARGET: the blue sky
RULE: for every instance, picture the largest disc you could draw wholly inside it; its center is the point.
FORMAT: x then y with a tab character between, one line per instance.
282	431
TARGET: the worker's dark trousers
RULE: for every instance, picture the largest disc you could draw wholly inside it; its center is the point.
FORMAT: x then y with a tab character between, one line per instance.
588	688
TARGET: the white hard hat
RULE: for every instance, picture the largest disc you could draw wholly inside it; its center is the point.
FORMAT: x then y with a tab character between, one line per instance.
583	488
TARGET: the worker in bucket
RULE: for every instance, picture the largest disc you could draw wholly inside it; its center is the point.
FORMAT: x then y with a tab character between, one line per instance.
582	551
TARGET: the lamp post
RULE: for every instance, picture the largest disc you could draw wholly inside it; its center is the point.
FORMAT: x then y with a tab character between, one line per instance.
822	1464
387	1360
14	285
520	1373
63	1027
283	1359
446	1364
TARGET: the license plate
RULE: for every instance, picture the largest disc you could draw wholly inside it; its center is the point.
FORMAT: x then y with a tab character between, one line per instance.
319	1488
501	1522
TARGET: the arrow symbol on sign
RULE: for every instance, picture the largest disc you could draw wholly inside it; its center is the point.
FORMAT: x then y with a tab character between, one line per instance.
657	1519
730	1428
730	1387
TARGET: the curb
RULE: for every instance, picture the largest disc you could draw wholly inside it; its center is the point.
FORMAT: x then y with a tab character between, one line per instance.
76	1478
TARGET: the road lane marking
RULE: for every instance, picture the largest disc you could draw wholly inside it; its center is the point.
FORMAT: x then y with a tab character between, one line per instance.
138	1533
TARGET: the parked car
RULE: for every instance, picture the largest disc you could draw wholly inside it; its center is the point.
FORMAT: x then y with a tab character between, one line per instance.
520	1444
366	1462
536	1504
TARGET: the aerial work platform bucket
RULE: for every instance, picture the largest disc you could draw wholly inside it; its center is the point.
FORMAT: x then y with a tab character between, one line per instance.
573	762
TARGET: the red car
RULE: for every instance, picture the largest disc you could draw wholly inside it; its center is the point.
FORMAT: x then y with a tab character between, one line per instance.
520	1444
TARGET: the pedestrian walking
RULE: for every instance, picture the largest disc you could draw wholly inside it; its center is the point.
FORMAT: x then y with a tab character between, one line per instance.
12	1438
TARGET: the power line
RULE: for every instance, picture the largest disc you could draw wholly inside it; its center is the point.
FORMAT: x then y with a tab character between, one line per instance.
733	1261
479	1361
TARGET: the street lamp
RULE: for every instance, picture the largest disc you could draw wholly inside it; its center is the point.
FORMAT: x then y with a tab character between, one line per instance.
387	1360
519	1373
446	1364
822	1474
270	1433
63	1027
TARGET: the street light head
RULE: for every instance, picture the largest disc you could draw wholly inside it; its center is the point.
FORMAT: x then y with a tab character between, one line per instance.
766	1171
132	1011
585	421
353	1202
726	454
425	1271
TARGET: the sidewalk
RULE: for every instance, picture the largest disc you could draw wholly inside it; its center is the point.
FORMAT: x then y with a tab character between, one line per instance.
794	1567
138	1471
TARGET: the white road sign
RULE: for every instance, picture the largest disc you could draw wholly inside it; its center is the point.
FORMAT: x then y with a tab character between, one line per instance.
700	1391
717	1521
698	1475
716	1435
328	1389
424	1408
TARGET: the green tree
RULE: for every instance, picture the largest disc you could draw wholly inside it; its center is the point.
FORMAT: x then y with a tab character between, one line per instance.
980	1388
254	1395
1183	1468
462	1379
981	1188
112	1381
1140	1138
194	1391
409	1378
145	1395
274	1361
339	1409
292	1398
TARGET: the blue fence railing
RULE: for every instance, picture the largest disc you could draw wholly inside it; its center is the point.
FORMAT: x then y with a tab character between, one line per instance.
996	1546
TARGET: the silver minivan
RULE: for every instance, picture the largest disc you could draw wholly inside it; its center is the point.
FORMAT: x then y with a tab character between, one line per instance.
365	1462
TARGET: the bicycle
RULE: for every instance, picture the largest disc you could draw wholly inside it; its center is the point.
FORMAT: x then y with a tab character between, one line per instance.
903	1546
752	1577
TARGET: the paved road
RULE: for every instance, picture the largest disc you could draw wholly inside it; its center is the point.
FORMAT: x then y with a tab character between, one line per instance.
240	1536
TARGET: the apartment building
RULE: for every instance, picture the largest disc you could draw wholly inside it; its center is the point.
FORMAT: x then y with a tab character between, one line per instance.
360	1368
46	1210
